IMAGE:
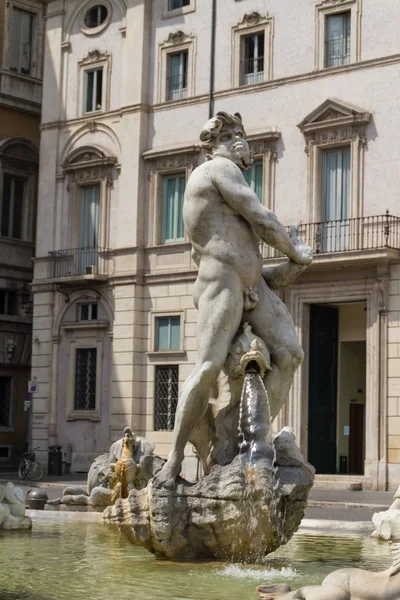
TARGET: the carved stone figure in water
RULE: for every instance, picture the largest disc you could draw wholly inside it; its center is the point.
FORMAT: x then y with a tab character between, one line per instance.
344	584
225	222
129	463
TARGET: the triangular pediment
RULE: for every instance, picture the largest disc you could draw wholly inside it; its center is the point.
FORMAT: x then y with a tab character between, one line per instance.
333	112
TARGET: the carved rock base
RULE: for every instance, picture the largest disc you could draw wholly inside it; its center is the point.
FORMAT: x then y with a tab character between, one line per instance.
237	512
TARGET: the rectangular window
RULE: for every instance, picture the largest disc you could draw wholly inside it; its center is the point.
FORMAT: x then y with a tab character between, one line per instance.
254	178
337	39
5	401
85	378
88	253
336	178
21	41
177	84
173	4
93	90
253	59
168	333
87	312
12	206
166	397
172	225
8	303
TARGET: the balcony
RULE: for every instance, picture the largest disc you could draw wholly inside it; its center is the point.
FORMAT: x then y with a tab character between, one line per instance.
79	264
338	241
252	70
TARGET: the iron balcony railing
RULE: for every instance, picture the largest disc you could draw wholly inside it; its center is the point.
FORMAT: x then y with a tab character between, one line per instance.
177	87
346	235
337	51
75	262
253	70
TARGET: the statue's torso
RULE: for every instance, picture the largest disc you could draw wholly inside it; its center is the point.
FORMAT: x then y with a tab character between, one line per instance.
216	231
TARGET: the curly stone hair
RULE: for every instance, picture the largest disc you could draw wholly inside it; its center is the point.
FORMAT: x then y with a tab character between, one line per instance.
213	127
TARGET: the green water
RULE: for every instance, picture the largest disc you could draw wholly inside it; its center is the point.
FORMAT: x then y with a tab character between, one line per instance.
86	561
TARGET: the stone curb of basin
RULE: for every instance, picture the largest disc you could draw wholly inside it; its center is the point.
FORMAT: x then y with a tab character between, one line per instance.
346	505
339	526
55	515
306	524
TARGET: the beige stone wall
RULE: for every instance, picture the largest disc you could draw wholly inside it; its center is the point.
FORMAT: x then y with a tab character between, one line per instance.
393	317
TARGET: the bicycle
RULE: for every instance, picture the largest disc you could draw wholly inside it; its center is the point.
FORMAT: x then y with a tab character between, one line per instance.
30	467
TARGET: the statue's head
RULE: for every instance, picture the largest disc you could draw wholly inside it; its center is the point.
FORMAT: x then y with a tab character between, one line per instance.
129	438
224	135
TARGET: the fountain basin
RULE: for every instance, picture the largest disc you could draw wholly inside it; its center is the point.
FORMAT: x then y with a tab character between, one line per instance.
71	561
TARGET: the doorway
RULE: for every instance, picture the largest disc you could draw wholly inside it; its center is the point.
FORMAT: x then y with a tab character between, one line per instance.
337	377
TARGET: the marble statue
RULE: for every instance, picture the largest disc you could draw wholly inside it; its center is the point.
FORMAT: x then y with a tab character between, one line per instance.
247	354
387	523
12	508
129	463
344	584
225	223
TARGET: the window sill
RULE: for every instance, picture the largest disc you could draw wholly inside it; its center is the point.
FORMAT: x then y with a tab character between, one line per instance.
84	415
7	429
166	353
86	325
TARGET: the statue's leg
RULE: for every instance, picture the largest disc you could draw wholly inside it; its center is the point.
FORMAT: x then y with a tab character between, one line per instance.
220	310
271	320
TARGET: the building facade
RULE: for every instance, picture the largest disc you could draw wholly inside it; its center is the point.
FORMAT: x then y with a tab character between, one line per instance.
127	87
21	47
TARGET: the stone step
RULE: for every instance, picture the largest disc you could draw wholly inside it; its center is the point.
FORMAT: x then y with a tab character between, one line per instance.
338	482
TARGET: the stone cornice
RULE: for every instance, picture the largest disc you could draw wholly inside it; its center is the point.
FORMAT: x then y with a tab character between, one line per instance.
98	117
155	153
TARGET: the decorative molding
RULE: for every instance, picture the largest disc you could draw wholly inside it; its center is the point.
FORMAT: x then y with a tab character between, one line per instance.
94	56
253	18
177	37
9	347
335	123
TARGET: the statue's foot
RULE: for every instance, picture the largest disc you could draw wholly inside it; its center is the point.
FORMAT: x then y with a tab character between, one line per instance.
166	478
268	592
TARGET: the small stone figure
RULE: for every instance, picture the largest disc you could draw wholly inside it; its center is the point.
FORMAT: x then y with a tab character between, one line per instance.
12	508
344	584
124	470
129	463
387	522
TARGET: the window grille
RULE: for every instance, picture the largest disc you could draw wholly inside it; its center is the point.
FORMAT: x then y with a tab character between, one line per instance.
254	178
253	59
168	333
177	76
5	401
337	42
85	378
12	206
166	397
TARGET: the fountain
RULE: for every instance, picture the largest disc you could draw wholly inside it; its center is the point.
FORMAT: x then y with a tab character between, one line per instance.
254	492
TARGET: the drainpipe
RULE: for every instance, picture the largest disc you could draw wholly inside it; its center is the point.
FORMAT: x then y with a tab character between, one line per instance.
212	60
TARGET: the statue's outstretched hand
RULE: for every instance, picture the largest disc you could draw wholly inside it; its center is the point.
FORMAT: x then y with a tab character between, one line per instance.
304	251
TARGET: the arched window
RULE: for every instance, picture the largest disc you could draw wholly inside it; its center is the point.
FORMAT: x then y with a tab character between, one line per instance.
18	183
